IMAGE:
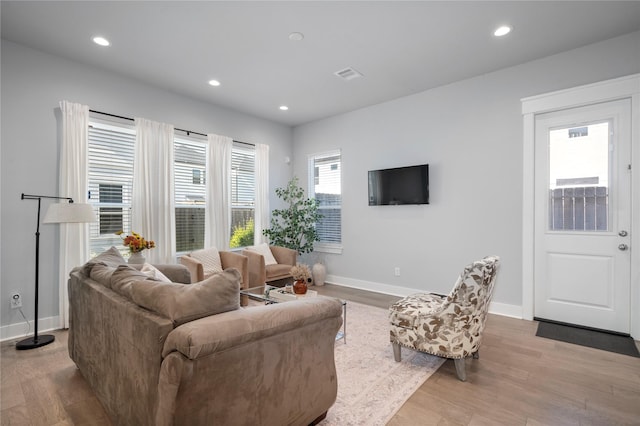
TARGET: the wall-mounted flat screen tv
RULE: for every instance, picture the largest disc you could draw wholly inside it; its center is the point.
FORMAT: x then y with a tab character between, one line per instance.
400	185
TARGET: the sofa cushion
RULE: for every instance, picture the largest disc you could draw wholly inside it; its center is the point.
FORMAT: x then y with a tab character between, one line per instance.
182	303
102	273
122	278
265	251
277	271
210	259
111	257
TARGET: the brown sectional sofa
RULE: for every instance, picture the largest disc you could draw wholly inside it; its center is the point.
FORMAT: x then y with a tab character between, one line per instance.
177	361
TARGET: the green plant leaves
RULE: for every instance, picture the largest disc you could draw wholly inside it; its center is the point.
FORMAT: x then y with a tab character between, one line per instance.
295	226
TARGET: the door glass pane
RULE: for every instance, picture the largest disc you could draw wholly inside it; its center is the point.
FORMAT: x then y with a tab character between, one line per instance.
579	178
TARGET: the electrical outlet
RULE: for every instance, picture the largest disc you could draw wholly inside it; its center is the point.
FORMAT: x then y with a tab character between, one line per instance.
16	301
397	271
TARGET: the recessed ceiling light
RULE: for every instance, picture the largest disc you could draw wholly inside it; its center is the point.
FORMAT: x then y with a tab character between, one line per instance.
214	83
284	107
295	36
502	31
101	41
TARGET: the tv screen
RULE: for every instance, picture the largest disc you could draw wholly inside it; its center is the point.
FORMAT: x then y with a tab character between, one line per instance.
401	185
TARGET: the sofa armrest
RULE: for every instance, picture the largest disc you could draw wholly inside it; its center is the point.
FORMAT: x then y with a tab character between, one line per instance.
256	269
222	332
284	255
195	268
262	365
230	259
175	272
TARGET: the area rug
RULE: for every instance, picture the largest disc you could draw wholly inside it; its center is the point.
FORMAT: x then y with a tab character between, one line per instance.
371	385
585	337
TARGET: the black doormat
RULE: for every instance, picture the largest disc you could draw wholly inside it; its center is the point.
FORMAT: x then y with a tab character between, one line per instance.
591	338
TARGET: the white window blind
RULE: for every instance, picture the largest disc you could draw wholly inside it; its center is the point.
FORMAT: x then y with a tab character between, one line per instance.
111	152
325	185
190	178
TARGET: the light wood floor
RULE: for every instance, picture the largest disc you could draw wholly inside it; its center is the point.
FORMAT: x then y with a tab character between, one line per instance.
520	379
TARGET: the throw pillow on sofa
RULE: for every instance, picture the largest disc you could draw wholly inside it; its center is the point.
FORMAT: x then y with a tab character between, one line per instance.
182	303
153	272
102	273
111	257
122	278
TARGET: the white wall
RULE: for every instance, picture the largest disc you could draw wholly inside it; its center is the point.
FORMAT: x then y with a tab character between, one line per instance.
471	134
32	84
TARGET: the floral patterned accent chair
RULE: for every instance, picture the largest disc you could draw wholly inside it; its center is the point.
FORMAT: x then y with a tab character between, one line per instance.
447	326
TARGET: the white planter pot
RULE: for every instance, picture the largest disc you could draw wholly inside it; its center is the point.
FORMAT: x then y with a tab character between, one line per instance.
136	258
319	272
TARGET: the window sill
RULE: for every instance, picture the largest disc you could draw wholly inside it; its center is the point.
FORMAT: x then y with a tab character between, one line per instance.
328	248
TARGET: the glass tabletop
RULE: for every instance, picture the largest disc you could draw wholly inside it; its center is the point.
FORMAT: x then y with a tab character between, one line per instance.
270	294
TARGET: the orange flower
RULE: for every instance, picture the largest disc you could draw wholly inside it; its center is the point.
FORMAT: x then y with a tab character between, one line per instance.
136	242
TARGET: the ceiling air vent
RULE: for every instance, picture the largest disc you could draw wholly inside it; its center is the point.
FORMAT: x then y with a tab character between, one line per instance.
348	73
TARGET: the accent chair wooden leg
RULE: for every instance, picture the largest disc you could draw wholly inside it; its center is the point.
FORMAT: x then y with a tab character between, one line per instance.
396	351
462	375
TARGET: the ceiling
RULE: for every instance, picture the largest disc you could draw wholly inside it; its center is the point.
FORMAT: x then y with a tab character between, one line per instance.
400	47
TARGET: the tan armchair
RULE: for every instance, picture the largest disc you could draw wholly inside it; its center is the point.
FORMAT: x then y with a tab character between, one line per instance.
228	259
262	271
447	326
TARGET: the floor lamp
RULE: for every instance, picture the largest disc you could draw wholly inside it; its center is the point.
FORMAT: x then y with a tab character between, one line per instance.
57	213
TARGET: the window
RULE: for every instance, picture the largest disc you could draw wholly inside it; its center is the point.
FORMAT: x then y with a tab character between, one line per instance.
579	169
325	185
190	176
197	177
243	194
111	157
111	152
111	218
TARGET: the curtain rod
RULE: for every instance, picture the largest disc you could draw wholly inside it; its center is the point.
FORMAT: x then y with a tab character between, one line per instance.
188	132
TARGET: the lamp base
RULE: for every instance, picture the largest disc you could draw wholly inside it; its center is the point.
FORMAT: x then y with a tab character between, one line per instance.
32	343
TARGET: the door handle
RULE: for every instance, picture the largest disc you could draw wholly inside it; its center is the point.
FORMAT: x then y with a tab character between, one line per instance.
623	233
623	247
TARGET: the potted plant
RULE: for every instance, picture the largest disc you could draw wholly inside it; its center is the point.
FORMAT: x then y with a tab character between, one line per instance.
302	276
294	227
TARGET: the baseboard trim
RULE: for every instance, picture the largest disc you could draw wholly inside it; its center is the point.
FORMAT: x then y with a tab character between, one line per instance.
18	330
503	309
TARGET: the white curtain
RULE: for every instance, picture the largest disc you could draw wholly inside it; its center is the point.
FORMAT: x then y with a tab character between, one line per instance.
261	214
153	203
217	224
74	237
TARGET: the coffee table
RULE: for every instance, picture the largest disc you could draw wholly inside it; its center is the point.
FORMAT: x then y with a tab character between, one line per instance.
270	294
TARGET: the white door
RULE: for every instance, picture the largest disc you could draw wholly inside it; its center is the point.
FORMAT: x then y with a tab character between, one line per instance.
582	260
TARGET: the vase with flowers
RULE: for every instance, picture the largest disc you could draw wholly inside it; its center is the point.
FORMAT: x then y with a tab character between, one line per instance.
301	277
136	244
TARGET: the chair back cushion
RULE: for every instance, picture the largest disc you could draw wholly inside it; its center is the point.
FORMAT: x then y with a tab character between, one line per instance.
210	259
264	250
474	287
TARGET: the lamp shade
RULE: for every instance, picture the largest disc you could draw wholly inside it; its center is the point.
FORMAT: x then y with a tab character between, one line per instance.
69	213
